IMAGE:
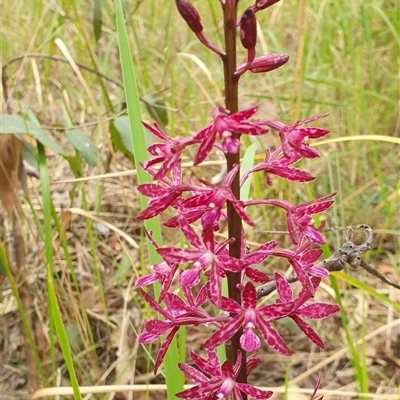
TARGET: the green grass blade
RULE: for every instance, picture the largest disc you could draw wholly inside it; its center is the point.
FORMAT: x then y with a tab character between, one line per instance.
366	289
173	376
357	357
5	268
248	162
54	310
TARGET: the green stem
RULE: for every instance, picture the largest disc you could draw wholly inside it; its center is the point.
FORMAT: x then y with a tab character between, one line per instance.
234	221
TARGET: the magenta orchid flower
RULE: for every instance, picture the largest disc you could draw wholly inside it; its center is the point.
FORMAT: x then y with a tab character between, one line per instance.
295	259
205	255
166	193
302	259
311	311
224	126
215	381
308	257
160	199
215	198
293	138
188	214
177	313
251	317
280	167
300	224
167	153
162	273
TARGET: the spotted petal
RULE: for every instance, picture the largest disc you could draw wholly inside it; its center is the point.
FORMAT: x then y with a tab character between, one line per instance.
318	310
201	391
290	173
283	288
192	373
255	275
224	333
308	331
272	338
249	299
146	280
163	349
210	366
255	393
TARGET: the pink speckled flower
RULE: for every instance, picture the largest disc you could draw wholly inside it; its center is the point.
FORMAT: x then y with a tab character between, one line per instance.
176	314
162	273
167	153
251	317
215	198
224	126
300	224
215	381
205	255
311	311
165	193
294	138
278	164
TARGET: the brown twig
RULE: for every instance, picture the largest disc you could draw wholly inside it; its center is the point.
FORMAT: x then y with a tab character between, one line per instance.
376	273
349	253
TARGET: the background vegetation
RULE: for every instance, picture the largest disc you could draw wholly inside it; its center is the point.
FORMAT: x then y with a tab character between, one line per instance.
78	221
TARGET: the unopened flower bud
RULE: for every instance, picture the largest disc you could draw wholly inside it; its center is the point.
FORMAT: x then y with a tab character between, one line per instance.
190	15
252	363
248	29
268	63
263	4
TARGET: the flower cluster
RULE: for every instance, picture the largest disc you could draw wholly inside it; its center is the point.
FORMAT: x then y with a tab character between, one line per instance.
199	208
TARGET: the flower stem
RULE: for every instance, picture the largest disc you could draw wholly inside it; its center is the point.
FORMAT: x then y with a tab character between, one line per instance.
234	221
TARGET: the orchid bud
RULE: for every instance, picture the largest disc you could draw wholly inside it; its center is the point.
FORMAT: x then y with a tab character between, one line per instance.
263	4
190	15
248	29
252	363
268	63
264	64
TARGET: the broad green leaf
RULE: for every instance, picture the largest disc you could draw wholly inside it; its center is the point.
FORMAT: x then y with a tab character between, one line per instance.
122	125
117	142
16	125
32	118
29	154
82	143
